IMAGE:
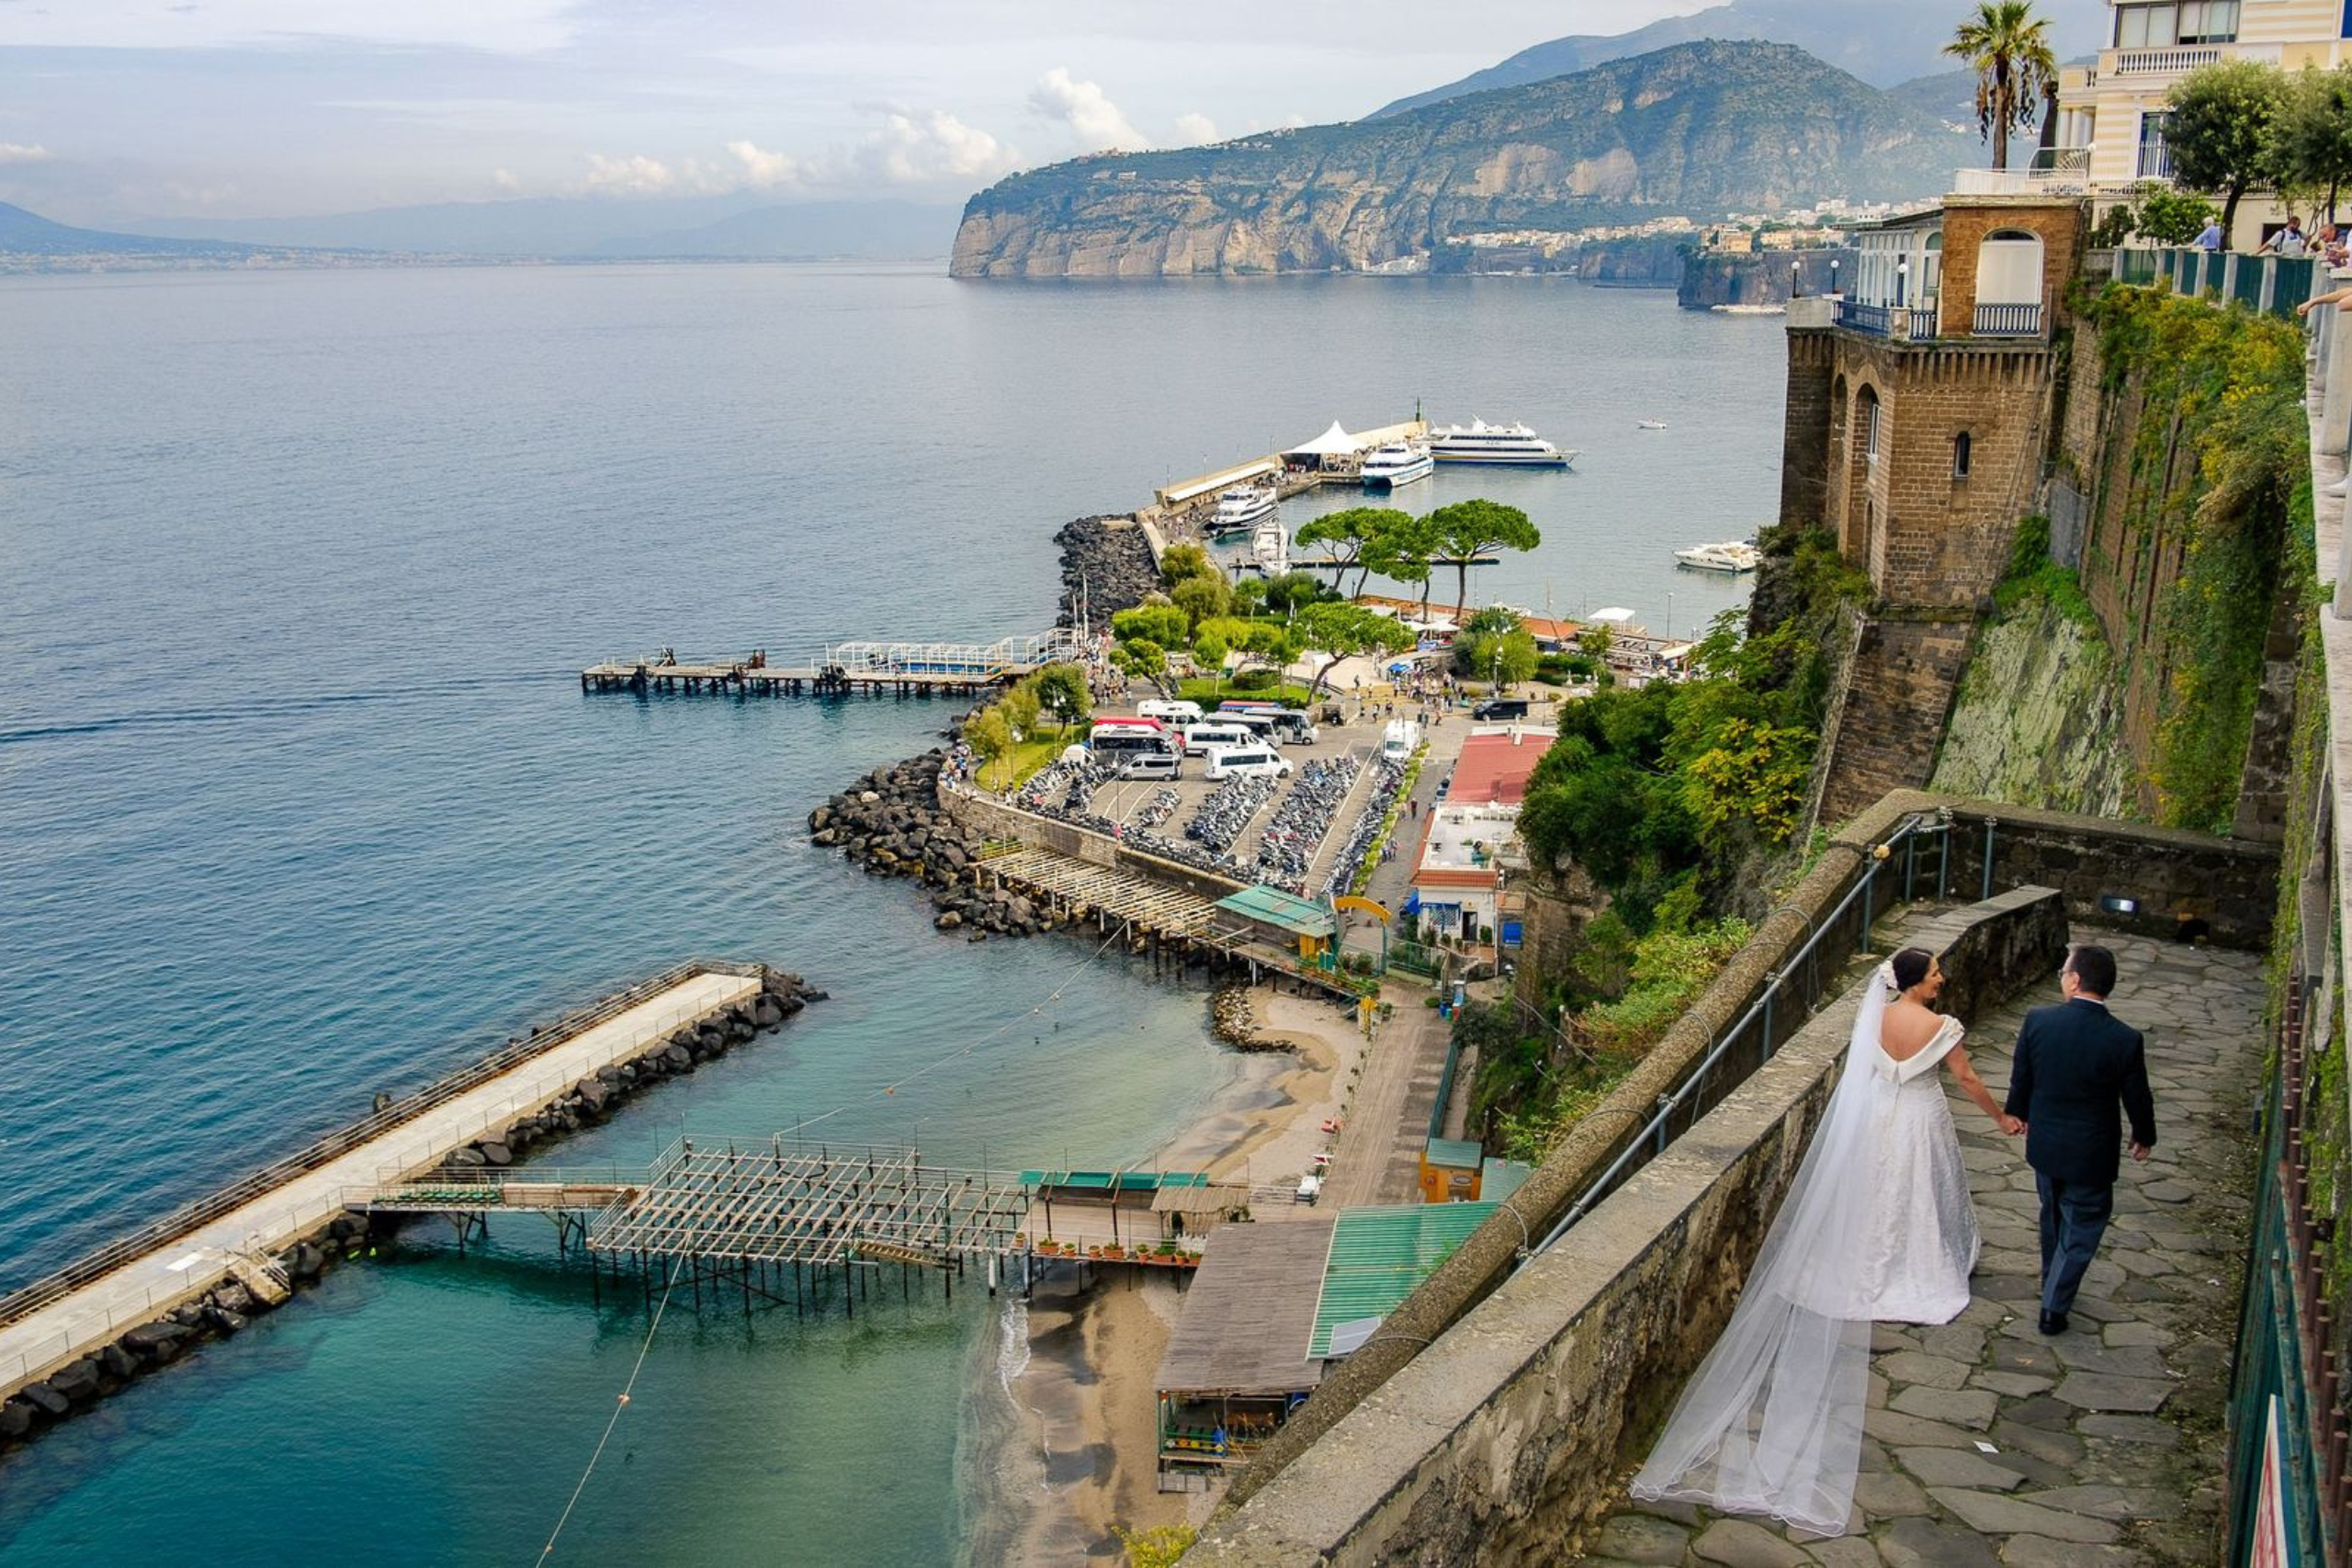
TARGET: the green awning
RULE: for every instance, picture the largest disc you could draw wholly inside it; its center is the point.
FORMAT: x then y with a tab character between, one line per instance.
1455	1154
1126	1181
1272	905
1379	1255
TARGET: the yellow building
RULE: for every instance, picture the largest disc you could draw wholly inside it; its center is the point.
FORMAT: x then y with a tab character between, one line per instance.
2111	112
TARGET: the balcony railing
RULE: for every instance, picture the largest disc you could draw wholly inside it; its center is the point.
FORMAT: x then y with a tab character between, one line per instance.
2271	285
2010	320
2051	170
2155	160
2178	60
1862	318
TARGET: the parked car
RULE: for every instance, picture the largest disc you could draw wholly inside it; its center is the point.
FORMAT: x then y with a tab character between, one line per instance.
1501	707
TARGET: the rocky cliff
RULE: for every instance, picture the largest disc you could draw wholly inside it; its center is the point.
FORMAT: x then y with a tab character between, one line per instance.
2039	718
1697	129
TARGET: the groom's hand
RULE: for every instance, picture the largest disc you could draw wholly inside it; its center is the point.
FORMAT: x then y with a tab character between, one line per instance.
2013	1125
2139	1151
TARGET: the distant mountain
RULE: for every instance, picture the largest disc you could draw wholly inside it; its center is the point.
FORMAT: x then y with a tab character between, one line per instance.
740	224
28	233
862	230
1881	42
1698	130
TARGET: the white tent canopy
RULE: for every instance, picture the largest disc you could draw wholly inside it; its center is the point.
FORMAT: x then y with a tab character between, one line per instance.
1333	442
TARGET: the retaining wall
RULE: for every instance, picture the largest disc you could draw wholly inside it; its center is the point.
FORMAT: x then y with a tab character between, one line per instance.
1510	1433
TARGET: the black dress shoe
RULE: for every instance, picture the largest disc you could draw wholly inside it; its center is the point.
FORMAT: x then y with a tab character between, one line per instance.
2053	1323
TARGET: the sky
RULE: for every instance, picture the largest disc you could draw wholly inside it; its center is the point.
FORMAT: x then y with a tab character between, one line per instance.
112	111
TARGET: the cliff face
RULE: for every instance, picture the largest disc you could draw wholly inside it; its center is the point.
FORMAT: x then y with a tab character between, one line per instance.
1696	129
2040	720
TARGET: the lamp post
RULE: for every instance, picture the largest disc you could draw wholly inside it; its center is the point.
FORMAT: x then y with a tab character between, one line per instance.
1833	273
1902	279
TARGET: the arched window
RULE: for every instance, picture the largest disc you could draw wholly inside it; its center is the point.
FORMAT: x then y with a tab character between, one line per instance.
1869	421
2008	284
1960	453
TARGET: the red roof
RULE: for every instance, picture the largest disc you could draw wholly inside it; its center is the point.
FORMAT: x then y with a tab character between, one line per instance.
1495	769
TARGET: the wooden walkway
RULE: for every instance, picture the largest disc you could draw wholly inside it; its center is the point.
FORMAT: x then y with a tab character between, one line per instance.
1109	897
902	668
176	1266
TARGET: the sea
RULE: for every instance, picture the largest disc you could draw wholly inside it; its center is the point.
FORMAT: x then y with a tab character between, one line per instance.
300	802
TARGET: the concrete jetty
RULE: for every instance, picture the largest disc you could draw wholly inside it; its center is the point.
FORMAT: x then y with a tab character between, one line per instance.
115	1294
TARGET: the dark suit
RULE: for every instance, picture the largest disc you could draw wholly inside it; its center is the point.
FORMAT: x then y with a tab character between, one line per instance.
2074	1063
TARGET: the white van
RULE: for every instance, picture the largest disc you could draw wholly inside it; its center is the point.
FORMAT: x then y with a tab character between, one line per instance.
1241	762
1199	738
1148	765
1170	712
1400	740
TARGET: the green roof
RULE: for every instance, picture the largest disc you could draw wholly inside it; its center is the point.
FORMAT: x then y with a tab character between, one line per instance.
1127	1181
1276	908
1380	1255
1457	1154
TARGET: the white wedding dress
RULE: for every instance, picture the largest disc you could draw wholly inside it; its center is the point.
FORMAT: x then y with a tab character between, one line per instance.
1877	1226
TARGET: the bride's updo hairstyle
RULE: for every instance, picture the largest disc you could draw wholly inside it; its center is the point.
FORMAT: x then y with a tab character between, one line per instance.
1910	966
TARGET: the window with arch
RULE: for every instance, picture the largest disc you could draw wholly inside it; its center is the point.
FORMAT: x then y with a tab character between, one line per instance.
1870	425
1960	455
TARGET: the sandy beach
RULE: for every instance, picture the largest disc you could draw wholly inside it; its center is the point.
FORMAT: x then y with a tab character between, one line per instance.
1085	1401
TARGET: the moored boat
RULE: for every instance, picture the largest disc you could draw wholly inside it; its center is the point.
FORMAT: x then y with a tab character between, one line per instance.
1512	445
1269	547
1398	463
1242	508
1732	555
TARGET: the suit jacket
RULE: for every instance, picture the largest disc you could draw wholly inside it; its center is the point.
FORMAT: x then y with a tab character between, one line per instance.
2074	1062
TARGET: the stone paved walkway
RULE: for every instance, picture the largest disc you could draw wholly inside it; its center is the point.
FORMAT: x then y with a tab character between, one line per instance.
1988	1446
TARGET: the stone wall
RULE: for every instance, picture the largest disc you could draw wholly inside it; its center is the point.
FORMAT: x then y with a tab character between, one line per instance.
2039	718
1805	440
1505	1437
1904	675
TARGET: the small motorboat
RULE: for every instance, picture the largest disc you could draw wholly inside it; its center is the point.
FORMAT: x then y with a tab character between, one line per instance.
1649	424
1733	556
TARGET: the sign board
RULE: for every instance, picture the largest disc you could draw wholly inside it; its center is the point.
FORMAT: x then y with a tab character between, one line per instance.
1511	931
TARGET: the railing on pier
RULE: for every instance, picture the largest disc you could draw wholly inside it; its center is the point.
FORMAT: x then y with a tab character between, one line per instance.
971	658
104	1261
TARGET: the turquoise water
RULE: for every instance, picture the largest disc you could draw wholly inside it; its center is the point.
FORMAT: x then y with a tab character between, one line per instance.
299	801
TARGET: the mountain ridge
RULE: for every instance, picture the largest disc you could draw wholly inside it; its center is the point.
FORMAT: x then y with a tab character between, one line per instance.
1695	130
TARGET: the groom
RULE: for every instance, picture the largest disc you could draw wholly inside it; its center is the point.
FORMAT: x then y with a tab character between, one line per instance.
2073	1063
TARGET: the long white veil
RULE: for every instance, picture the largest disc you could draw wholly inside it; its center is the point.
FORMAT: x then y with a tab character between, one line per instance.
1771	1423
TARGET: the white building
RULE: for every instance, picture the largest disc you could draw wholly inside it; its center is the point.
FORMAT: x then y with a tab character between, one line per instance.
2112	112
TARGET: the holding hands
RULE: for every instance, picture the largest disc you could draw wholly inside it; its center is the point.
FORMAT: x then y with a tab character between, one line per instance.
2013	1125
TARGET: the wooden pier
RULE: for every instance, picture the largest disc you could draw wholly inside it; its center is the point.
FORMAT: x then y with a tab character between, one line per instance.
237	1232
875	669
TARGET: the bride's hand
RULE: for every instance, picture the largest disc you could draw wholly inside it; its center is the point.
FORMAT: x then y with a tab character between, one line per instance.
2013	1125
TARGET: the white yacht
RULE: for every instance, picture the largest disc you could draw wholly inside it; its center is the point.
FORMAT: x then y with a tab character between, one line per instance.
1243	509
1511	444
1733	556
1269	547
1398	463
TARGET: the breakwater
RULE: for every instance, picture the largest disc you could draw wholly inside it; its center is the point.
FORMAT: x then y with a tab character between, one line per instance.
1107	567
87	1331
892	822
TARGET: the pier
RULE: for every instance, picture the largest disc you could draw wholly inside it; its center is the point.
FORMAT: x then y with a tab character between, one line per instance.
875	669
237	1233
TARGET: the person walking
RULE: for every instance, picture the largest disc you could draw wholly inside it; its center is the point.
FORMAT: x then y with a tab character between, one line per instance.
2210	239
2074	1063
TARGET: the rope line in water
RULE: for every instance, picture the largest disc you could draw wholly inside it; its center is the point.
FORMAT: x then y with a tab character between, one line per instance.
615	1419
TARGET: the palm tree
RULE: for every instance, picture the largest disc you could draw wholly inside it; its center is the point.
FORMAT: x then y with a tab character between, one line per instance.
2008	47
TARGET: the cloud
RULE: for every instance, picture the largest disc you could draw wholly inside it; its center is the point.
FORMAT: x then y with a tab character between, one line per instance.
638	175
922	148
18	153
764	170
1083	107
1194	130
512	27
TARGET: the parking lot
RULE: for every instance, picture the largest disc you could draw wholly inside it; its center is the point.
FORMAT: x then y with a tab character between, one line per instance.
1306	832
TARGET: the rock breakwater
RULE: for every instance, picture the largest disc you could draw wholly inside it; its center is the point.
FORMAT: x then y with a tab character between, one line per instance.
1106	562
892	822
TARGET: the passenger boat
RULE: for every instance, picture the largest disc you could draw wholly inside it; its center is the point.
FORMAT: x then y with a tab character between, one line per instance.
1243	509
1398	463
1513	446
1733	556
1649	424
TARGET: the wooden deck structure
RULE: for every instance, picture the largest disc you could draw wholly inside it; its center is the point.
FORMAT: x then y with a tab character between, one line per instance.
901	668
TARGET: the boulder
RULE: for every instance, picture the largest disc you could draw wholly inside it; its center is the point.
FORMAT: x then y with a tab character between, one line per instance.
498	1154
466	1158
678	1056
948	922
224	1320
118	1362
17	1417
154	1341
610	1077
236	1297
50	1401
818	818
305	1261
77	1381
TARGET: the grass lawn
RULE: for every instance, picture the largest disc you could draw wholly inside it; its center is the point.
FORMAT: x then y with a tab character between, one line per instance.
1015	766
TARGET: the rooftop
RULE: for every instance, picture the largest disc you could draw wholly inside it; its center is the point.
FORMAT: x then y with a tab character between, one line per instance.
1379	1256
1248	1311
1496	768
1274	907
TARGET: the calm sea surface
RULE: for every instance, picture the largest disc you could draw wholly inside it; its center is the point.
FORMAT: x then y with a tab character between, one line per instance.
299	801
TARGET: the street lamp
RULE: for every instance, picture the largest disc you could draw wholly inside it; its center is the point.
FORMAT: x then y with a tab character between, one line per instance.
1833	273
1902	278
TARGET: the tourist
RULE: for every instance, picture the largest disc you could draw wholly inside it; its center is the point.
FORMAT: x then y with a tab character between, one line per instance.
2074	1063
2289	242
2210	239
2329	247
1877	1226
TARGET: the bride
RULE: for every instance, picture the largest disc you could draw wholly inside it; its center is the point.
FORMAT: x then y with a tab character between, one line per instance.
1877	1225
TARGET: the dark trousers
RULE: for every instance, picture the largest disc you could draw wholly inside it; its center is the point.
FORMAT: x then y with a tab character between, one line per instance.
2073	1218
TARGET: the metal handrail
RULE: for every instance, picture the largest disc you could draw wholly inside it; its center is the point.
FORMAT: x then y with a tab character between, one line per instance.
101	1261
1650	1140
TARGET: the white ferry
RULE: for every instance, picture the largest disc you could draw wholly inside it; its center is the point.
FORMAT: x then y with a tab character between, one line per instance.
1399	463
1733	556
1512	445
1243	509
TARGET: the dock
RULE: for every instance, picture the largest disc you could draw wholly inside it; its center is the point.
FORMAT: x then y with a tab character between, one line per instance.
875	669
239	1231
